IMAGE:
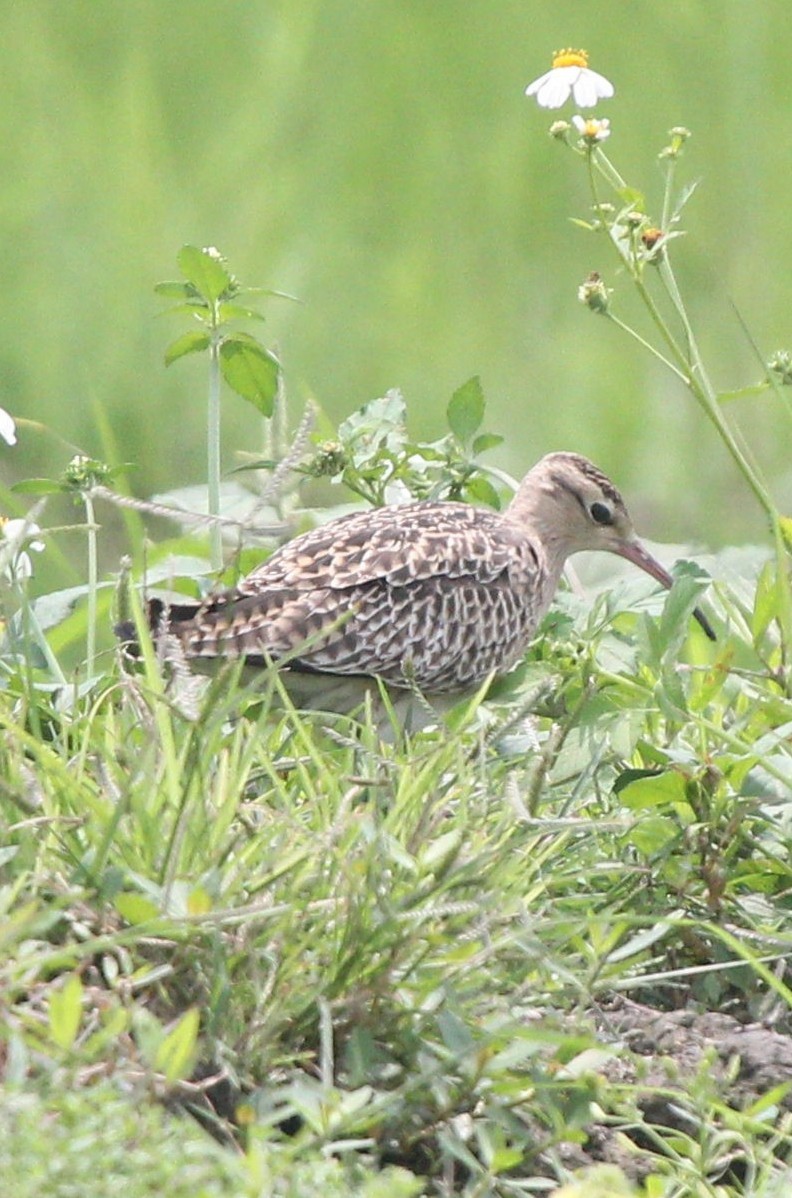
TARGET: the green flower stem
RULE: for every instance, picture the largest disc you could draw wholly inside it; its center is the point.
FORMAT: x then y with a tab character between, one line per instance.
213	447
689	366
647	345
669	186
36	632
706	395
93	580
596	158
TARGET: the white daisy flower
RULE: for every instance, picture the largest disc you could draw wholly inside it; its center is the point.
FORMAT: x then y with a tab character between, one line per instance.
7	427
570	76
591	129
15	561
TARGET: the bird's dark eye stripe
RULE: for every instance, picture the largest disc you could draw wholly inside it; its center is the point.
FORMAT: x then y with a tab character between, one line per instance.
601	513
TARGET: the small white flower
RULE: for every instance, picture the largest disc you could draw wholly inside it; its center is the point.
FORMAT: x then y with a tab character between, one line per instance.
591	129
7	427
15	561
570	75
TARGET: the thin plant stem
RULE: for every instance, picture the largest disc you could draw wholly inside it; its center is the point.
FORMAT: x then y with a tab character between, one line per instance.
647	345
689	366
213	449
93	580
669	186
33	628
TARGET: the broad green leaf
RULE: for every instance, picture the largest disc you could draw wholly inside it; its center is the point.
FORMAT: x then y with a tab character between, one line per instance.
174	290
175	1056
652	834
674	625
205	271
250	370
65	1011
380	422
766	601
626	777
135	908
465	410
193	342
239	312
191	307
654	791
486	441
53	608
37	486
481	490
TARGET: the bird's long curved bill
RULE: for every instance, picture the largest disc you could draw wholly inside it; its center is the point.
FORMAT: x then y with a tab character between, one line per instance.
635	553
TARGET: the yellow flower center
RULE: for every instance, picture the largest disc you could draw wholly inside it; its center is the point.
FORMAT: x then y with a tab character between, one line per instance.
570	58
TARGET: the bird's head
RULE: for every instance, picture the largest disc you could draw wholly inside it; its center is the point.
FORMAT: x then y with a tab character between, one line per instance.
573	506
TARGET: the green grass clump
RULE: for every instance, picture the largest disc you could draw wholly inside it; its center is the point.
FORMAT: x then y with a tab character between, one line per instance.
384	966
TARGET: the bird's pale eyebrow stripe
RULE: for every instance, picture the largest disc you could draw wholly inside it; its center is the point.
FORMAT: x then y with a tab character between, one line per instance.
594	475
564	484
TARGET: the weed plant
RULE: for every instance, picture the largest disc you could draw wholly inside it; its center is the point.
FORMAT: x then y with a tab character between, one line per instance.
250	951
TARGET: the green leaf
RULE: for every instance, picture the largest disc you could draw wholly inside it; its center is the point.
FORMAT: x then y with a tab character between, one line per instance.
37	486
653	790
689	582
193	342
173	290
65	1012
250	370
191	307
480	490
229	312
652	834
743	392
486	441
766	601
136	908
175	1056
465	410
54	607
206	271
633	197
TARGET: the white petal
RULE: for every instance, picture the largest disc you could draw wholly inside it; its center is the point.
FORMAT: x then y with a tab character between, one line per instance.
7	428
579	122
590	87
533	88
556	87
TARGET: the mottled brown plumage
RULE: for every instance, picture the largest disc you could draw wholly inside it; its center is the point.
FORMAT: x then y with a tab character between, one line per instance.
431	595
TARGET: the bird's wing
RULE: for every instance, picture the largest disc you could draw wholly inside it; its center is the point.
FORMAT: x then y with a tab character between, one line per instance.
435	594
400	544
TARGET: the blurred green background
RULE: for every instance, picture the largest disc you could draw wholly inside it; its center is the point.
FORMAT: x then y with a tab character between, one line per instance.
378	159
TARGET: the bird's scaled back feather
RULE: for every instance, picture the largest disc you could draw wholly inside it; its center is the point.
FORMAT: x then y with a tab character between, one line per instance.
435	595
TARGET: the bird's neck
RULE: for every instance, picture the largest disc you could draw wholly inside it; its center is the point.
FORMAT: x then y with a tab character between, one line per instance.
534	510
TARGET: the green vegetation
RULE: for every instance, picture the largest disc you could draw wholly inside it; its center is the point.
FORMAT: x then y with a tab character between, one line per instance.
539	949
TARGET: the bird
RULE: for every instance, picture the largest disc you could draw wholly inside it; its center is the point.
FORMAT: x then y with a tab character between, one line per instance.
430	596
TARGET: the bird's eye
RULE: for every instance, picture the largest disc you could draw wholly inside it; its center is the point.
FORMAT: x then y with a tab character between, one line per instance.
601	513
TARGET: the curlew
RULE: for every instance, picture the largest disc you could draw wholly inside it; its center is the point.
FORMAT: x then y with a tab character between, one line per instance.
435	596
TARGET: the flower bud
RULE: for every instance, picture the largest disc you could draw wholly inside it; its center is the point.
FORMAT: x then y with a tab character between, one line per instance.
781	364
594	294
